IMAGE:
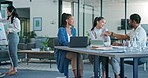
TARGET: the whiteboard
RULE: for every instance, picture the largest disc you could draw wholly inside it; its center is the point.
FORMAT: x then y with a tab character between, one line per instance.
3	37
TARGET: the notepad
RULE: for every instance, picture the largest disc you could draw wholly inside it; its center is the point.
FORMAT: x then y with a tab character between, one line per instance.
97	43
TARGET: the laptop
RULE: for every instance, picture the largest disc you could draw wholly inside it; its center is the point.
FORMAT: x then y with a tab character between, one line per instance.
78	42
97	43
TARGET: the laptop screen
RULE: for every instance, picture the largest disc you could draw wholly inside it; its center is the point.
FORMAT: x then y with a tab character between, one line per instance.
78	42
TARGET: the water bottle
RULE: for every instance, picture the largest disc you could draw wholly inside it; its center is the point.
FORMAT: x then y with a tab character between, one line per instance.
134	41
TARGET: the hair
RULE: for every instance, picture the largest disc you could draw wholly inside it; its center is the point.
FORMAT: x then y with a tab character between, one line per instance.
135	17
65	16
95	22
13	11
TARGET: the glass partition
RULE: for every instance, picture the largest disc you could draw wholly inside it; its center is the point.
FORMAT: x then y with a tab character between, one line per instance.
113	12
116	13
84	15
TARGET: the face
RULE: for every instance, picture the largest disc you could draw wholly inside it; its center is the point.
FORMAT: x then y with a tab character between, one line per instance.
131	23
100	23
9	13
70	21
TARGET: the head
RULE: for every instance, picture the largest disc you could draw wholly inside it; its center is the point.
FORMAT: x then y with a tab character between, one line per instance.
98	23
67	20
135	20
11	11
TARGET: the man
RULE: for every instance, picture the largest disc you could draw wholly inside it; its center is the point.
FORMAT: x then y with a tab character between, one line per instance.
137	31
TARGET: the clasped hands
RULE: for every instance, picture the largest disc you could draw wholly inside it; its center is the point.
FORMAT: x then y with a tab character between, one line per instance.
107	33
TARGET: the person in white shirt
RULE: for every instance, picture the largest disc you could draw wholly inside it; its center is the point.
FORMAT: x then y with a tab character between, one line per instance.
97	33
137	31
13	38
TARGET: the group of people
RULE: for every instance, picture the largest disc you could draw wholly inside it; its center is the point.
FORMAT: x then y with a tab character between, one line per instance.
13	38
67	30
99	32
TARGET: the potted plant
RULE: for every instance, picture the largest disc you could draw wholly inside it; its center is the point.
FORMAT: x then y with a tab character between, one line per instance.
31	36
46	44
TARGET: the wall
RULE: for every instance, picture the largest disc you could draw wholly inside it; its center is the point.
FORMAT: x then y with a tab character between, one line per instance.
112	11
46	9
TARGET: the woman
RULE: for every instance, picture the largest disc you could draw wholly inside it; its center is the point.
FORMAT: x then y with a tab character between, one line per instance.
13	38
62	57
97	32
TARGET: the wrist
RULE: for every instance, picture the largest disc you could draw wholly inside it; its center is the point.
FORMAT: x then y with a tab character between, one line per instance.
112	34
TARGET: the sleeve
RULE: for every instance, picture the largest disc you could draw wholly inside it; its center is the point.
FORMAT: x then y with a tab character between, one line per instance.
3	20
73	31
129	34
142	35
106	38
92	35
62	37
17	25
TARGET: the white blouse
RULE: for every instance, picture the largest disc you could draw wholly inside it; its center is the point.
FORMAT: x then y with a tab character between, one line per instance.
68	37
14	27
98	35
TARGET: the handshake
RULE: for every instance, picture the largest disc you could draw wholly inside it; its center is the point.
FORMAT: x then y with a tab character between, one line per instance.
108	33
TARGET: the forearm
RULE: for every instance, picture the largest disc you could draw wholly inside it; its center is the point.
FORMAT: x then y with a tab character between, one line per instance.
3	20
119	36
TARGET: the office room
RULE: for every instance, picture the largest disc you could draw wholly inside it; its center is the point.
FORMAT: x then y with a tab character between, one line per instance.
40	21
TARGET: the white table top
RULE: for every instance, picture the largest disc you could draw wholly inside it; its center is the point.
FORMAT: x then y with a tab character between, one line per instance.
108	53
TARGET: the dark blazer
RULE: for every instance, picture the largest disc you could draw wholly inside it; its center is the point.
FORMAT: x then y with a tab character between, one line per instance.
60	55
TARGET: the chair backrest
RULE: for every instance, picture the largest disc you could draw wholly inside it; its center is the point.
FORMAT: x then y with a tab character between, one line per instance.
38	41
53	42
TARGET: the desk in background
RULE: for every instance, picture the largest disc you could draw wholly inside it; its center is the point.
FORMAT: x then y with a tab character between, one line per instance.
37	54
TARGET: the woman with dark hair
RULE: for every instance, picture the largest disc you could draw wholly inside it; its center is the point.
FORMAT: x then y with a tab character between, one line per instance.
98	29
97	33
13	38
63	57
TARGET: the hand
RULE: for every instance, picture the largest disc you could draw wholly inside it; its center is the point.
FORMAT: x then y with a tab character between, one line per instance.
7	32
107	33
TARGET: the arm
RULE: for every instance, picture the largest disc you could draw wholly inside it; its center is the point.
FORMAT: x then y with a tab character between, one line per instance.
62	37
3	20
92	35
16	24
120	36
73	30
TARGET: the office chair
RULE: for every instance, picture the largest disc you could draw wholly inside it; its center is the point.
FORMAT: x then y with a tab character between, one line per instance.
130	62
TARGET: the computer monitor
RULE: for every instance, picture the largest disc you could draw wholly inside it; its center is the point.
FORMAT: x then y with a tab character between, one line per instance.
123	23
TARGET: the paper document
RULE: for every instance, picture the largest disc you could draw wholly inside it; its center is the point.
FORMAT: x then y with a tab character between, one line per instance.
119	47
108	50
102	48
